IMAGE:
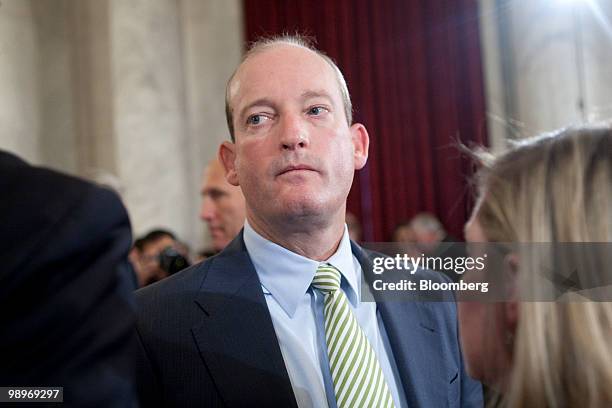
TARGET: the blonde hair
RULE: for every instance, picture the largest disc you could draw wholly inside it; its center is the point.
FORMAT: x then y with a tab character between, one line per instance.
297	40
554	188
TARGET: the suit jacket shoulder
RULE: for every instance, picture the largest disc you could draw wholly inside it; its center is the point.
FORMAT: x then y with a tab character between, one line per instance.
65	286
424	338
205	333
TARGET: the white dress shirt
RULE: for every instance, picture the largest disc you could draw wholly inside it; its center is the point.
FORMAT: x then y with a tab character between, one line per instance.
297	315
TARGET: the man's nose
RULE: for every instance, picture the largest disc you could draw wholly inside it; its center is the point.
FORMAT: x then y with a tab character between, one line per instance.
294	134
207	210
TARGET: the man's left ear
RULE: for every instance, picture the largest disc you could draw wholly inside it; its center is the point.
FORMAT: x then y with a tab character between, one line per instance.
361	144
227	157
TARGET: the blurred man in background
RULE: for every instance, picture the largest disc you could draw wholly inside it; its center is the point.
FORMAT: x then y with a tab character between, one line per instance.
427	231
431	239
223	207
161	255
403	233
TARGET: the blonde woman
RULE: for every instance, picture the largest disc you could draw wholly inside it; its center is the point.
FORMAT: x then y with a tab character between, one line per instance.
552	189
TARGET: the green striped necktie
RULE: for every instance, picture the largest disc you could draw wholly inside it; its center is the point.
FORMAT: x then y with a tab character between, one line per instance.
356	373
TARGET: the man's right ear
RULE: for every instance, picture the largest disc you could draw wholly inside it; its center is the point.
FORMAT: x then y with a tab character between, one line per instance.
227	157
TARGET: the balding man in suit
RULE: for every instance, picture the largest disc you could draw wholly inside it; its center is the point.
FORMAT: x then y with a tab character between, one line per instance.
275	320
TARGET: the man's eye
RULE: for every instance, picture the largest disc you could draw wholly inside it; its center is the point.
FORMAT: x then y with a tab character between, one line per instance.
316	110
215	195
255	119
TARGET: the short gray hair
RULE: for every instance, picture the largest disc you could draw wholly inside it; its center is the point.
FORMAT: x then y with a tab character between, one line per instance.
426	222
266	43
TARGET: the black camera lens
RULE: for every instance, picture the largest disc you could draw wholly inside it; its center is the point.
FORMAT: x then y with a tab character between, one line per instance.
171	261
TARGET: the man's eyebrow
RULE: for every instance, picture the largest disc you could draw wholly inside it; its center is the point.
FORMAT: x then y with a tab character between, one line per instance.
258	102
211	190
316	94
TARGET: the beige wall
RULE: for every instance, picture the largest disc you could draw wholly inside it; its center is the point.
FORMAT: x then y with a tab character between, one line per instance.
149	113
548	64
212	40
57	122
19	80
130	89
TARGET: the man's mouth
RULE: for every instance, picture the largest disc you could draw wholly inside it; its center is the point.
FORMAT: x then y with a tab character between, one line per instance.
215	231
296	168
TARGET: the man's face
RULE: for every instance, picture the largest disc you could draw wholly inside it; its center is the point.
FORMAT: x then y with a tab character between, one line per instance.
424	236
222	206
150	258
295	154
404	234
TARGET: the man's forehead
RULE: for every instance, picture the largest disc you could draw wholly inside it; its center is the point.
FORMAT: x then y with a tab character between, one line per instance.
214	175
309	70
158	244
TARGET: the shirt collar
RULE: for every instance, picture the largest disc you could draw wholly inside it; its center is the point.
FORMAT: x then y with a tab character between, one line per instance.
287	276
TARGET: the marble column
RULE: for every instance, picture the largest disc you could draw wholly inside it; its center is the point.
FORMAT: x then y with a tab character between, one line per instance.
96	141
595	32
130	90
149	114
548	64
19	82
169	64
212	38
58	124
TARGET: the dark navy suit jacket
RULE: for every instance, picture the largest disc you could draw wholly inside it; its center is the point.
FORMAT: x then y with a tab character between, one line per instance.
207	339
66	289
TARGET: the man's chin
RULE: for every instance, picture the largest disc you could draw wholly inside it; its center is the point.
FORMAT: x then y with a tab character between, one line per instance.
295	211
220	243
302	206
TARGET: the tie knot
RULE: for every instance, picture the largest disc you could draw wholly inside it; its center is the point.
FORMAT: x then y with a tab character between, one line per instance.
327	278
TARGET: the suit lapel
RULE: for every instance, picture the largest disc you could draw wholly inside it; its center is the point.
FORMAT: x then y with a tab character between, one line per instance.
236	339
416	346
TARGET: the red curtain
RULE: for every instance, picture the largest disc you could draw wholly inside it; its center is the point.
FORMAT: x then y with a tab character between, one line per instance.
414	72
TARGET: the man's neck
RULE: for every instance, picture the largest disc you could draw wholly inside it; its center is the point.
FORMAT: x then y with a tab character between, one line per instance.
316	241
